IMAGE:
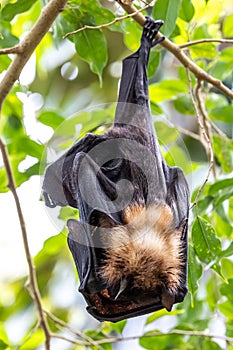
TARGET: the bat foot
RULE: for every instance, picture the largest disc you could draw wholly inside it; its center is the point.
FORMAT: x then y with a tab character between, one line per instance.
151	29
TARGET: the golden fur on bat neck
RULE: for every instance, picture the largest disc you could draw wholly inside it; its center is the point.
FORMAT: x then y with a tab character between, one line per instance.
147	248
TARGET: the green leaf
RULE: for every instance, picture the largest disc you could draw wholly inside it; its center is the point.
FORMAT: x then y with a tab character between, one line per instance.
227	309
4	62
3	181
51	118
28	147
52	246
224	114
204	203
227	252
155	109
227	55
209	344
161	313
223	148
177	157
228	26
219	185
167	11
152	343
13	9
223	226
206	50
132	34
119	326
194	273
34	340
67	213
226	290
154	61
227	268
206	244
230	209
88	44
184	105
166	89
3	345
7	39
166	134
187	10
223	197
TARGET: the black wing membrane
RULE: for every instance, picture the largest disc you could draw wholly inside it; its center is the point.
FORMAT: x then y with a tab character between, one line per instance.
103	174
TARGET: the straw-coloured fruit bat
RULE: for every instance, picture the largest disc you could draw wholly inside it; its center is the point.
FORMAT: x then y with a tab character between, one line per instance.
130	244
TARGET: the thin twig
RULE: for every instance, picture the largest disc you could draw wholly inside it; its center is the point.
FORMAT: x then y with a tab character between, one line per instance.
69	340
105	25
205	124
204	334
11	50
81	335
29	44
217	130
204	138
203	41
188	133
32	273
33	331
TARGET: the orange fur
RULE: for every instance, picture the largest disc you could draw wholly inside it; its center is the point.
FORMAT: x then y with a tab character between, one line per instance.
131	212
148	248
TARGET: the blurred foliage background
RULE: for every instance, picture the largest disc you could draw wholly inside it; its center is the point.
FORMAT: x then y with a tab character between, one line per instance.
68	88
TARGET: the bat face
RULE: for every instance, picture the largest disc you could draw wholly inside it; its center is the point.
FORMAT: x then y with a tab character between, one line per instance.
144	256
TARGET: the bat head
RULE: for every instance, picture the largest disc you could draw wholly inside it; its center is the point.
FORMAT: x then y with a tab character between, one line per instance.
144	256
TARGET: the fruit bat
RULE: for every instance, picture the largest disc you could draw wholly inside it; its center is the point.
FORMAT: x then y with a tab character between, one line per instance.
130	242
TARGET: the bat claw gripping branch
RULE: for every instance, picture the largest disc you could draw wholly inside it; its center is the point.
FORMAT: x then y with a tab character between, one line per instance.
151	29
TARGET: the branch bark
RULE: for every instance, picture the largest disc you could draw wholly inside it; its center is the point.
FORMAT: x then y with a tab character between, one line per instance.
35	293
206	41
25	49
180	55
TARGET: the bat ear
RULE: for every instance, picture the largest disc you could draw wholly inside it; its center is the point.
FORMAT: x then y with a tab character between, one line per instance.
168	299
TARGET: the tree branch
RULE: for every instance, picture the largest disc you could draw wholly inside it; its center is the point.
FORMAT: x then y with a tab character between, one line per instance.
35	293
204	137
135	14
61	324
203	41
203	334
181	56
23	52
176	50
25	49
11	50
